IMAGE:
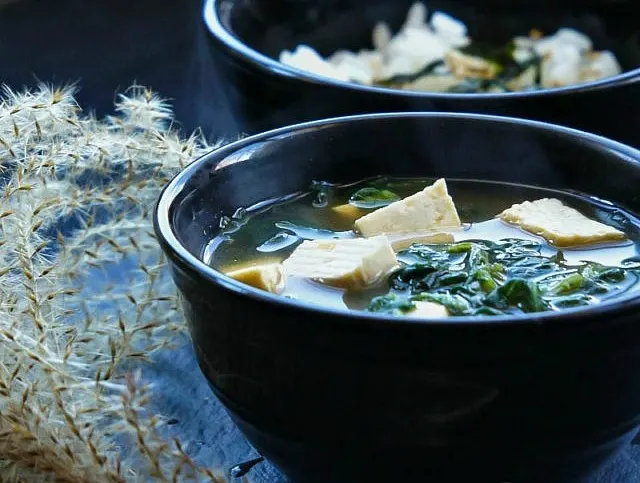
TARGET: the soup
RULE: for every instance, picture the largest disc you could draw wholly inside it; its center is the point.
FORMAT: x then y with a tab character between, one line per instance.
437	55
425	248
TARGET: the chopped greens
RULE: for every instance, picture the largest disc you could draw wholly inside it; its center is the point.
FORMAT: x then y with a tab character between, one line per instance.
497	278
508	70
373	198
493	272
501	55
569	284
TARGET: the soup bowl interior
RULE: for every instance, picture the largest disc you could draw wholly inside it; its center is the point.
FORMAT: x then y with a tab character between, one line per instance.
247	37
335	396
269	26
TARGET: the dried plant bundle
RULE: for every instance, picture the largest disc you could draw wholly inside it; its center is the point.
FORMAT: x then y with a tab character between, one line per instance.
84	295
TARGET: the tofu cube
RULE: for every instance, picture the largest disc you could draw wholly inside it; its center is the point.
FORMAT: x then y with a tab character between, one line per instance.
348	263
559	224
427	310
269	277
431	209
348	211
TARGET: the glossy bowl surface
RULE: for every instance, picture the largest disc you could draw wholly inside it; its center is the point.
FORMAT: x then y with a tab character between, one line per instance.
247	36
337	396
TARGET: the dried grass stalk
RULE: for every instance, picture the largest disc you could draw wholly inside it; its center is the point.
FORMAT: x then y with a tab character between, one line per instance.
76	195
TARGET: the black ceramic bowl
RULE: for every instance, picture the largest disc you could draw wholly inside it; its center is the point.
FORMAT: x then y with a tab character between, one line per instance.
332	396
247	35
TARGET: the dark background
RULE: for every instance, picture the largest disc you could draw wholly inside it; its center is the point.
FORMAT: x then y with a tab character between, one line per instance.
106	45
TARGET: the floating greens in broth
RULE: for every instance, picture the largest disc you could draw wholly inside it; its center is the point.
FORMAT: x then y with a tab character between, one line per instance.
372	197
485	267
498	278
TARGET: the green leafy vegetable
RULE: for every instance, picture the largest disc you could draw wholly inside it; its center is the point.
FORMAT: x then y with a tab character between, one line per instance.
484	279
497	54
508	69
372	198
569	284
612	275
479	277
460	247
391	304
511	74
518	292
574	300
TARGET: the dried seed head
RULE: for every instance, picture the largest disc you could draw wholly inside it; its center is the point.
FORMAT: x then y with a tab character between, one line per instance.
75	203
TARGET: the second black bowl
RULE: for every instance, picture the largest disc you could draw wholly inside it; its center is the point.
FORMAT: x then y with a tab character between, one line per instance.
247	35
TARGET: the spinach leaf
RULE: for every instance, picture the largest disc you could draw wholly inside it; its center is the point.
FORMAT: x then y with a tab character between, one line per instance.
479	277
569	284
460	247
498	54
573	300
372	198
484	279
508	68
612	275
417	277
518	292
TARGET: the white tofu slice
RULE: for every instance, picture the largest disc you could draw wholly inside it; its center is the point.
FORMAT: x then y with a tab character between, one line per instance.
431	209
381	36
405	240
270	277
559	224
427	310
562	37
446	25
356	66
599	65
561	67
306	58
416	16
349	263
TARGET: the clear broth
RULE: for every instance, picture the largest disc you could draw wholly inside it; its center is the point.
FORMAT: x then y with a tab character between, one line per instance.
270	231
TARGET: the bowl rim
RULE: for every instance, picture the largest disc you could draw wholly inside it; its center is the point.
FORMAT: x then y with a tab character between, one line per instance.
181	256
268	65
